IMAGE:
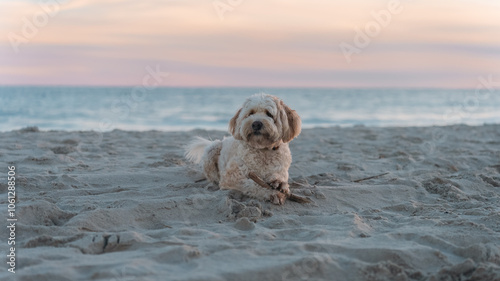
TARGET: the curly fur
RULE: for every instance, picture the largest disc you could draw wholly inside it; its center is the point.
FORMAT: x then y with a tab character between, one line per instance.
261	130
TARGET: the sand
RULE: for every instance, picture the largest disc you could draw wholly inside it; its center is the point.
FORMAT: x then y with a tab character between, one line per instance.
129	207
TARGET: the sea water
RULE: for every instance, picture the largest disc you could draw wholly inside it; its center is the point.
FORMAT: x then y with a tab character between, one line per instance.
175	109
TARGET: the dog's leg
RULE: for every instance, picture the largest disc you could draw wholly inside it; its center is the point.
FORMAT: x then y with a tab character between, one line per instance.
236	177
280	185
252	189
211	161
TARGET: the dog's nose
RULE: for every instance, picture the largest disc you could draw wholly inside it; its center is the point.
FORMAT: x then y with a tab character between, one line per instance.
257	125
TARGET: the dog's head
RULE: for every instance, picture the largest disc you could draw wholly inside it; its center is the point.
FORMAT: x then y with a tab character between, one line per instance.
264	121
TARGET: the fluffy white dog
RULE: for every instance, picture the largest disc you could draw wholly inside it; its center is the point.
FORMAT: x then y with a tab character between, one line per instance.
260	131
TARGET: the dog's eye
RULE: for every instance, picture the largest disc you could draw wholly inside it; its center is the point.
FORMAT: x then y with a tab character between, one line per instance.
251	113
269	114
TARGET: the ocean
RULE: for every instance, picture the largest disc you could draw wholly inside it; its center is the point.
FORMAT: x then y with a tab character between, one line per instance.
180	109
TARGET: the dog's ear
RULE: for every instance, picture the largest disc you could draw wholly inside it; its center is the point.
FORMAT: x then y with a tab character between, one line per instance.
291	122
232	126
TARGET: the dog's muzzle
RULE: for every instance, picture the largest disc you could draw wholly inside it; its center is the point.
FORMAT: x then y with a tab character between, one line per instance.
257	125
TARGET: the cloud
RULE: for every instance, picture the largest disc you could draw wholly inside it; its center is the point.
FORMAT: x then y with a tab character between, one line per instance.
265	43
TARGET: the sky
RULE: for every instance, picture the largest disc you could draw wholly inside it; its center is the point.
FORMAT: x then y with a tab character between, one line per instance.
250	43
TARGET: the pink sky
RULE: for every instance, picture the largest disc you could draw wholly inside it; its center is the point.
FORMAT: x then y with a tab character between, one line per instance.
261	43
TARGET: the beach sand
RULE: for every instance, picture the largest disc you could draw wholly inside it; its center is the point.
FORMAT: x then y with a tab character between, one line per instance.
128	206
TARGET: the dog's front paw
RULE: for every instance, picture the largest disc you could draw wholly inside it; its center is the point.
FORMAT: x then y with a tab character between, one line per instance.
280	186
278	198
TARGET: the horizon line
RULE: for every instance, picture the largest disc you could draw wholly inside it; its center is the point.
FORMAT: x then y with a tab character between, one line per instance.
238	87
